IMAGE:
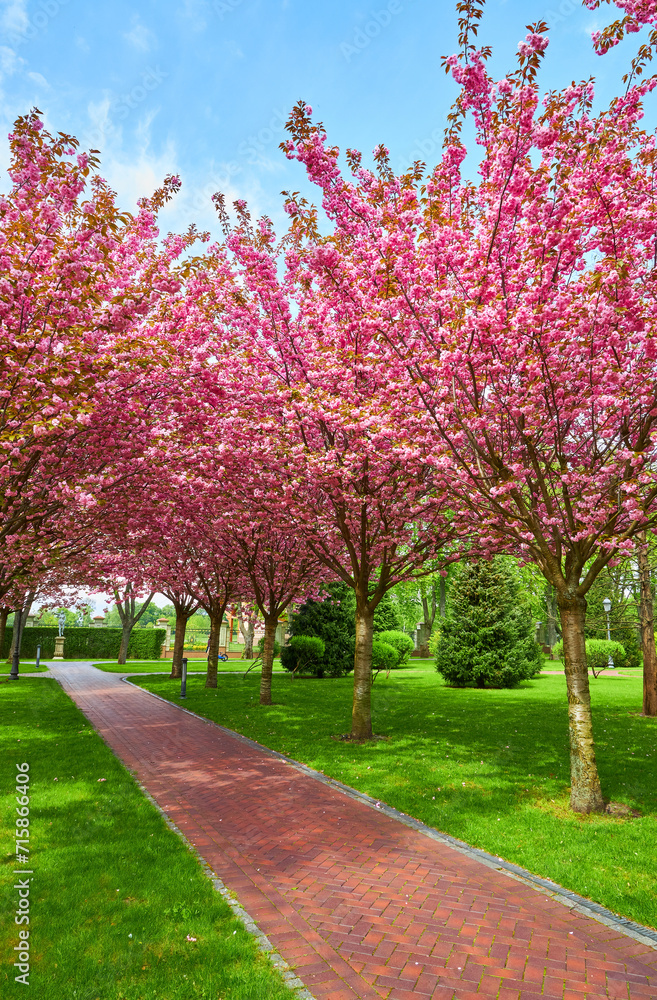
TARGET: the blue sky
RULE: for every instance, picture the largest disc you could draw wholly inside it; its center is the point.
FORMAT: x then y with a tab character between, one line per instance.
202	87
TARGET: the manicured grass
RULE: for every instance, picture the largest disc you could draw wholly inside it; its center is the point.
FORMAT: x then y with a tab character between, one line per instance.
116	894
193	666
152	666
24	667
489	767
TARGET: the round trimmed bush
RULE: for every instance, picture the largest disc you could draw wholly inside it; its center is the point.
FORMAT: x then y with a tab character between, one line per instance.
304	654
384	656
399	641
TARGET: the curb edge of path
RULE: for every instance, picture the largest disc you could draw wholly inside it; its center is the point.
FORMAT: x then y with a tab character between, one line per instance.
641	934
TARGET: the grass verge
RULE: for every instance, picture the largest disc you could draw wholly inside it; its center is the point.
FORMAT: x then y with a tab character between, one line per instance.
120	909
488	767
24	667
193	666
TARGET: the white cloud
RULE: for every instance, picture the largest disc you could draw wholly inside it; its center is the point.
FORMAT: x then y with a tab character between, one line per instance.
194	11
138	172
38	79
9	61
14	19
140	37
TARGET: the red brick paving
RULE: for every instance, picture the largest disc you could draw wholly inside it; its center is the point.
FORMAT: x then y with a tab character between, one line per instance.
357	903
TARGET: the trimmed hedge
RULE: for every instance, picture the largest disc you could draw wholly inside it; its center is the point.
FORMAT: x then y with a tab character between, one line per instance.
84	642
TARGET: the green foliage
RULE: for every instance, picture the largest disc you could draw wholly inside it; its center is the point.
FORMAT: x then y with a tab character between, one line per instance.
487	635
87	643
434	640
80	616
623	619
145	644
261	647
598	652
333	621
200	621
386	616
384	656
304	654
400	642
406	598
147	620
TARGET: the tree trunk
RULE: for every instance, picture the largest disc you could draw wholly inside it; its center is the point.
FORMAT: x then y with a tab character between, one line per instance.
361	716
248	632
213	649
179	643
585	790
27	607
127	609
646	617
126	629
429	615
4	614
551	617
20	617
14	631
271	621
443	597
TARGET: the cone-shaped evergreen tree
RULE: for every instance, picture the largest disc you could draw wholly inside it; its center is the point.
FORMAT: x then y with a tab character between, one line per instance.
487	635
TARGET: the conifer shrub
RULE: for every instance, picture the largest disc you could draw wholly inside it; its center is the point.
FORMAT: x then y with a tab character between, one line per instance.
487	635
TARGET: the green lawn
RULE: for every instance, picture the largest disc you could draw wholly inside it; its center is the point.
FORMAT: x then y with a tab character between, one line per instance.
488	767
24	667
116	896
193	666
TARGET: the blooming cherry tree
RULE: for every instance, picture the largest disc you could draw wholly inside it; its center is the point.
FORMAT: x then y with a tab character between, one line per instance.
521	311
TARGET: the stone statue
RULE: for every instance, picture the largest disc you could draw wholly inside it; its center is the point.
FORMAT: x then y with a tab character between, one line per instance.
61	618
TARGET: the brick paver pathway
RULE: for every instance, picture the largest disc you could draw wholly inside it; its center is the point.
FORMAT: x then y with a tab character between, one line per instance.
359	904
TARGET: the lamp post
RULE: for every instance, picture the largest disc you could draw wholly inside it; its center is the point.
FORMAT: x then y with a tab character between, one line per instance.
607	606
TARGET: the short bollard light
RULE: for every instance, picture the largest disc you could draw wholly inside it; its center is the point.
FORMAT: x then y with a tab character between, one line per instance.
606	604
38	657
183	679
